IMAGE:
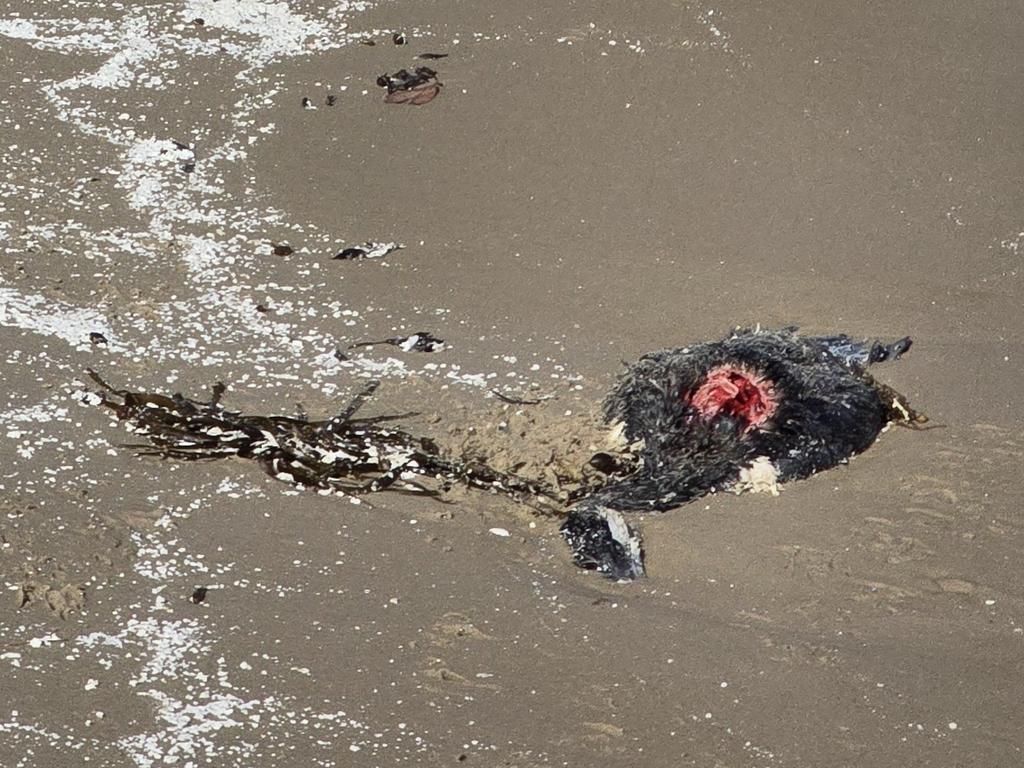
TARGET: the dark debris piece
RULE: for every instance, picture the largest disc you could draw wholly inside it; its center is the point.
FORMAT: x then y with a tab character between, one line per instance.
430	56
97	338
198	595
399	38
283	249
421	341
331	100
344	454
367	250
306	102
417	87
188	166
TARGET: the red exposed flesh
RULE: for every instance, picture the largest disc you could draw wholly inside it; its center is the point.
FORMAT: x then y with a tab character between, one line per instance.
737	392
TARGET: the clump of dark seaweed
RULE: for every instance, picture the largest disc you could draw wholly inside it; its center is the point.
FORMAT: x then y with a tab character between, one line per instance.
404	87
346	454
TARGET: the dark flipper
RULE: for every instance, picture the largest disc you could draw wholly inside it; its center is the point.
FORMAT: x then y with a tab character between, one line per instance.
602	541
862	353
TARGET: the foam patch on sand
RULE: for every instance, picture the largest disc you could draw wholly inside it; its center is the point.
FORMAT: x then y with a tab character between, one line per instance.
45	316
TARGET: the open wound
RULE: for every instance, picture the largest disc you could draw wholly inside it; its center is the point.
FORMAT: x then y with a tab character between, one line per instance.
737	392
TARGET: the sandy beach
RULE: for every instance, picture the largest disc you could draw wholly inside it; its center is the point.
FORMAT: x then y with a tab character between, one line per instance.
593	181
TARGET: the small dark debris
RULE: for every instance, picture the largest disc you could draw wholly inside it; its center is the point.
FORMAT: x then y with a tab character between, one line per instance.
188	166
340	356
399	38
306	103
421	341
417	87
97	338
262	309
331	100
283	249
351	253
404	79
199	22
198	595
367	41
432	56
367	250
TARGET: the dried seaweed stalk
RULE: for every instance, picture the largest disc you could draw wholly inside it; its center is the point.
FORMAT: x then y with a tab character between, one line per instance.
345	454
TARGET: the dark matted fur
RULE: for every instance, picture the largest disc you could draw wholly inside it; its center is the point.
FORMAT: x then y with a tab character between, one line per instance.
829	409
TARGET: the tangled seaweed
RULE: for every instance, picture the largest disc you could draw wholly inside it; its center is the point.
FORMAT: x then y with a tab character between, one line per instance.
345	454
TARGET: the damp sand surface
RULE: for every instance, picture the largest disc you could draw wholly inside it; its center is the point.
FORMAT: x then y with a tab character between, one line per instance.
591	183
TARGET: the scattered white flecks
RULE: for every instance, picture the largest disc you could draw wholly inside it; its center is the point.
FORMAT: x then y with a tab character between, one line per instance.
1013	244
40	413
45	640
472	379
91	684
500	532
952	726
990	601
275	31
42	315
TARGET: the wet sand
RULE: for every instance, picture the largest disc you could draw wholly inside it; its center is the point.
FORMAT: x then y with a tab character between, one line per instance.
592	183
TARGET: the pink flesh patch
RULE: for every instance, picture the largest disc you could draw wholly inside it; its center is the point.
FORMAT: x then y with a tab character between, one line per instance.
737	392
